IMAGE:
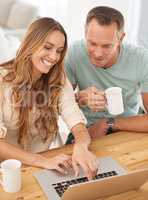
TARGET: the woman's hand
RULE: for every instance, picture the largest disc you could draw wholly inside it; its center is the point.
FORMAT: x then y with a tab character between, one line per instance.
61	163
85	159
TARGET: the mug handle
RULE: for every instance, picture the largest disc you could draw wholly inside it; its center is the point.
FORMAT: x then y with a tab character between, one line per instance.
1	182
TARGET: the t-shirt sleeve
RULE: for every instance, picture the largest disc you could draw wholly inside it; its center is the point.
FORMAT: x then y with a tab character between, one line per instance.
68	107
143	75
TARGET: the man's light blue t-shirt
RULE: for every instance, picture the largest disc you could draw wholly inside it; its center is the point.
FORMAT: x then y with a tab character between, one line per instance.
130	72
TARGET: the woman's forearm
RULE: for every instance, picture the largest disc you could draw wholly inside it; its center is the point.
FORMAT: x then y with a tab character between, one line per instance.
8	151
81	154
59	162
81	134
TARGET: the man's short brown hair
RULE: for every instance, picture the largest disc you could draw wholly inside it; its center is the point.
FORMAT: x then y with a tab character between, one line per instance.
106	16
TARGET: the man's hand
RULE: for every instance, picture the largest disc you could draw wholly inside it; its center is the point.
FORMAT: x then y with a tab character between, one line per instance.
98	129
83	158
91	97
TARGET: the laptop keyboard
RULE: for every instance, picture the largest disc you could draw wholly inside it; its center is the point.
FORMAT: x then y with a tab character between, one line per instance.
62	186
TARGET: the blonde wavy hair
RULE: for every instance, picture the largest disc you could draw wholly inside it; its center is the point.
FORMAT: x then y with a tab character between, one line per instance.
20	75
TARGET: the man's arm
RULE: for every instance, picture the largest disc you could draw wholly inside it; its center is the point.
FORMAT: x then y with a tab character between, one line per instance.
138	123
145	100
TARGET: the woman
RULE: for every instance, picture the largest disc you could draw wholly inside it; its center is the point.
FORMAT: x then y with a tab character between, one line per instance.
34	90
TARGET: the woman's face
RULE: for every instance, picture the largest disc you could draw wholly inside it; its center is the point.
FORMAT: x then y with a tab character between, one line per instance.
48	54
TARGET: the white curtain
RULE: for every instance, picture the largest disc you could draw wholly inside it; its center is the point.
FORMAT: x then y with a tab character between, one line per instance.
142	33
72	14
137	23
133	21
54	8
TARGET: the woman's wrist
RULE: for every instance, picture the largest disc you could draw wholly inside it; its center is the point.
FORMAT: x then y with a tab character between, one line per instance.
83	143
38	160
81	135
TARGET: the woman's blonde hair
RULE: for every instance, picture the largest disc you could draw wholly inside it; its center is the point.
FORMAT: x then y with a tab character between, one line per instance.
20	74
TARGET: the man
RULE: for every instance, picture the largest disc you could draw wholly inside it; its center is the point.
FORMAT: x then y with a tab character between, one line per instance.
102	61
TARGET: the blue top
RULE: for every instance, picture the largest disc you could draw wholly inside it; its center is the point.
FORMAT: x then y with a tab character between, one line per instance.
130	72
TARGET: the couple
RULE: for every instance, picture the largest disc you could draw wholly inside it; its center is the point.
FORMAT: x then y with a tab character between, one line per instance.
34	90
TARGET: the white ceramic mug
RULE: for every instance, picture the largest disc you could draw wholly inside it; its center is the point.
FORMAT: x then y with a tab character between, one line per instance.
11	175
114	100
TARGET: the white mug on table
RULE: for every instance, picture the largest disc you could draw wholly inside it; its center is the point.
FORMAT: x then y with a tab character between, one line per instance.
114	100
11	175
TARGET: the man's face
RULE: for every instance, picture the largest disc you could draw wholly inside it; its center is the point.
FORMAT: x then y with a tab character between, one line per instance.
103	42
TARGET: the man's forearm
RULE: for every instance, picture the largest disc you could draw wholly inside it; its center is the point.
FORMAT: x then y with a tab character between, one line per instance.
137	123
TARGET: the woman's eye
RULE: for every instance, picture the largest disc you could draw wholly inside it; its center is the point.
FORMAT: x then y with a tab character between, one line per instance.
46	47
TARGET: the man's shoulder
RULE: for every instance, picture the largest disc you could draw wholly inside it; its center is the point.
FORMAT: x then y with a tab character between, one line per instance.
135	58
135	50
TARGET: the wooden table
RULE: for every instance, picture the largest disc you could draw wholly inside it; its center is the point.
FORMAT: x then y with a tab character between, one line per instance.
130	149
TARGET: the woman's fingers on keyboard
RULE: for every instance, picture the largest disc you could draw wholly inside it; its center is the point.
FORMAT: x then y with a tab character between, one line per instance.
76	168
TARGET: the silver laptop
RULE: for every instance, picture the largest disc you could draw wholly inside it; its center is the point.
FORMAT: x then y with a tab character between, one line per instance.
57	186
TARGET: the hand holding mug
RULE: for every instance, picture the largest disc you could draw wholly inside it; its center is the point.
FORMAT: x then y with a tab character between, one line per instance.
114	100
92	98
